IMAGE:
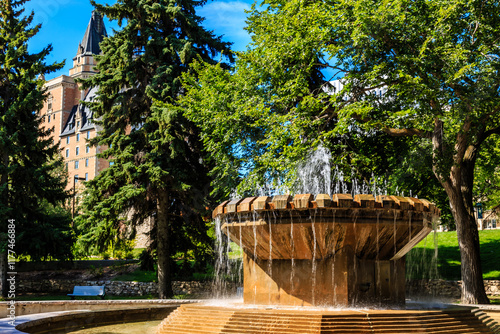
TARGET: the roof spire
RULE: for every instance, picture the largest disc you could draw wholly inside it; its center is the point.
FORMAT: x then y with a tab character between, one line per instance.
94	34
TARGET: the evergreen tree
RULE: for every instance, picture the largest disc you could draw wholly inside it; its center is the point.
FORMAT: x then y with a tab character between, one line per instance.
30	187
157	166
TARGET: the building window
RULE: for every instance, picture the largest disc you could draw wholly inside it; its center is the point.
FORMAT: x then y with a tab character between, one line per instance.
49	118
86	176
76	164
86	162
88	134
49	103
77	137
87	149
67	166
77	151
67	153
78	124
67	140
76	178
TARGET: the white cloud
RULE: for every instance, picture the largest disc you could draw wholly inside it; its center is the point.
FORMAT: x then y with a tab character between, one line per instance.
227	18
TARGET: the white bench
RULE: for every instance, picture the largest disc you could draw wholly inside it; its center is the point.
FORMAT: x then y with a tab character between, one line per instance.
87	291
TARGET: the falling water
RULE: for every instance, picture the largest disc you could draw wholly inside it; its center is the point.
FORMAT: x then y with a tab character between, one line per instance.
314	175
292	247
334	240
225	268
422	269
219	264
240	267
354	220
314	264
377	260
317	176
395	247
270	261
254	251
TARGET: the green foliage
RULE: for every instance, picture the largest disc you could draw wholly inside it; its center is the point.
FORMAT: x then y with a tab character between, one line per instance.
146	260
424	69
31	181
96	272
448	259
487	174
138	276
264	117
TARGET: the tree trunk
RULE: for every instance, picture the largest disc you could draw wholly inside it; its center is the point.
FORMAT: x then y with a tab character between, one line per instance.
458	183
163	246
473	291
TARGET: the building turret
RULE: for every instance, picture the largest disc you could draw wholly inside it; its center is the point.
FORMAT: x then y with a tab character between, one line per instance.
84	62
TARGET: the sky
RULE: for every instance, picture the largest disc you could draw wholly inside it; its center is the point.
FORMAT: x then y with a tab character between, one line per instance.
64	23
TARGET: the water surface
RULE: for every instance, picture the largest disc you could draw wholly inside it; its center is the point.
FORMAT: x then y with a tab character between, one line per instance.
144	327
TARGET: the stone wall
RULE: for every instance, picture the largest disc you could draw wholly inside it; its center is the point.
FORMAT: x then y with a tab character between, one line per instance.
434	288
447	289
120	288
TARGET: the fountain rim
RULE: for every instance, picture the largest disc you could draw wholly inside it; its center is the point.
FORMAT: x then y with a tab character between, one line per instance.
301	202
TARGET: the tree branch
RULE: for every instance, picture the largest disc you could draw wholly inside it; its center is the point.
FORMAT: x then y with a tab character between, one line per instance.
494	131
461	144
407	132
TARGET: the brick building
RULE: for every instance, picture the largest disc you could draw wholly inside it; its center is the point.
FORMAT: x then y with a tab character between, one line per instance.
70	120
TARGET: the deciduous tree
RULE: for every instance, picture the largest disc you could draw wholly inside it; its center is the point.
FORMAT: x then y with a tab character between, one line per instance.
409	68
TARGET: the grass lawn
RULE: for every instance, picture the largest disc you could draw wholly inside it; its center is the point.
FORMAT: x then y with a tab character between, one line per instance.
137	276
421	259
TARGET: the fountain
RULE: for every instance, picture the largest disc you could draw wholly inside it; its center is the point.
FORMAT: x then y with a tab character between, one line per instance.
345	251
314	265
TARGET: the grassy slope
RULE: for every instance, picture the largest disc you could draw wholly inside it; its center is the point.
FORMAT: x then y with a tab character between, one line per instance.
448	261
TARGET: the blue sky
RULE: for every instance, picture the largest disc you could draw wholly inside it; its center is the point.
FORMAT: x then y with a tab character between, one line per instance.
64	23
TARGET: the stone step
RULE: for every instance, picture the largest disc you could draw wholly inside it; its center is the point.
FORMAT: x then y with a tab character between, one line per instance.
194	319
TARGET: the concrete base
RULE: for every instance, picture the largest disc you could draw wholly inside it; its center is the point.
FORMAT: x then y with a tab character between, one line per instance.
343	280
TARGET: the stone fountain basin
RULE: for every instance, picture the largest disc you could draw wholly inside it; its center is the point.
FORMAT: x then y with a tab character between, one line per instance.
325	251
303	228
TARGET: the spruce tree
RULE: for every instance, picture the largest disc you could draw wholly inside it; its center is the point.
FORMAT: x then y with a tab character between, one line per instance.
157	166
30	185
